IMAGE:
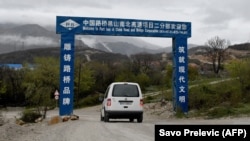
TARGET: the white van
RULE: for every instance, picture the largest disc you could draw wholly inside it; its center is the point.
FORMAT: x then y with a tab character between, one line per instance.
122	100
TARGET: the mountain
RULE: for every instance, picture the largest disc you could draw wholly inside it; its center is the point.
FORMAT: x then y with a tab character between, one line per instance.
124	45
119	44
34	30
15	38
30	36
244	46
197	55
85	53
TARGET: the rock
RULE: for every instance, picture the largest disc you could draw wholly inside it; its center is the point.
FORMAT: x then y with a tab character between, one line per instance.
66	118
74	117
40	119
20	122
54	120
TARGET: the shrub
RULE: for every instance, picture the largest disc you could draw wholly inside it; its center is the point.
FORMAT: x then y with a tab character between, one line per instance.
180	114
202	97
90	100
30	116
219	112
148	99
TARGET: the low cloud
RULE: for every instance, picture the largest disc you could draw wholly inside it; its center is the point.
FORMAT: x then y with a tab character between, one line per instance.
17	40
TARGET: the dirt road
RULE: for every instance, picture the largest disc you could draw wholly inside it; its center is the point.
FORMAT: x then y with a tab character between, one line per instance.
90	128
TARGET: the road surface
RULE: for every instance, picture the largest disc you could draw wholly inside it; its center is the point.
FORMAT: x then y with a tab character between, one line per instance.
90	128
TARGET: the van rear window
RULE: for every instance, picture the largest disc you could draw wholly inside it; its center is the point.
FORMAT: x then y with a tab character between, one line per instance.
125	90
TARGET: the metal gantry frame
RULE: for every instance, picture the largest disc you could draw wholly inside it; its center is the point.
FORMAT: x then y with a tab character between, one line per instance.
68	27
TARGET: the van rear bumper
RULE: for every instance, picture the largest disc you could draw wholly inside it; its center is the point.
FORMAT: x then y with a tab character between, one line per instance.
124	114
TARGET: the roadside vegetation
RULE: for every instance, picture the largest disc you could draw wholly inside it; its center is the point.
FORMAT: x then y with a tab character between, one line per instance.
33	86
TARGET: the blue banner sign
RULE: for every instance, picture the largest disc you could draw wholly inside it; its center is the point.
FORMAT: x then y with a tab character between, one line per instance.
180	75
122	27
66	74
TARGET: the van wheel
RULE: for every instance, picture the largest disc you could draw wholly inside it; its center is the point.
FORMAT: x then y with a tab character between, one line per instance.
106	117
140	118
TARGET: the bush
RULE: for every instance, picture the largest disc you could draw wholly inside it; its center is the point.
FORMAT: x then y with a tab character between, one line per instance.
30	116
202	97
90	100
219	112
207	96
180	114
148	99
218	100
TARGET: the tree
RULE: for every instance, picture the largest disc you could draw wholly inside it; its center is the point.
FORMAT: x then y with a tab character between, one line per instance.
2	93
84	79
141	63
11	92
100	72
216	51
14	90
169	76
143	80
41	82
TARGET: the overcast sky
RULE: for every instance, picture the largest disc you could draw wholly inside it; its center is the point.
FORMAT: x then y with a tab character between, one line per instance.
228	19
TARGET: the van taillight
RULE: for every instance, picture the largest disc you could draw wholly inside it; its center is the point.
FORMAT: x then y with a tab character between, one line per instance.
141	102
109	102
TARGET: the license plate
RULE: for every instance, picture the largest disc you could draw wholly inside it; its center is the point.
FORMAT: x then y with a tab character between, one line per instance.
125	103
